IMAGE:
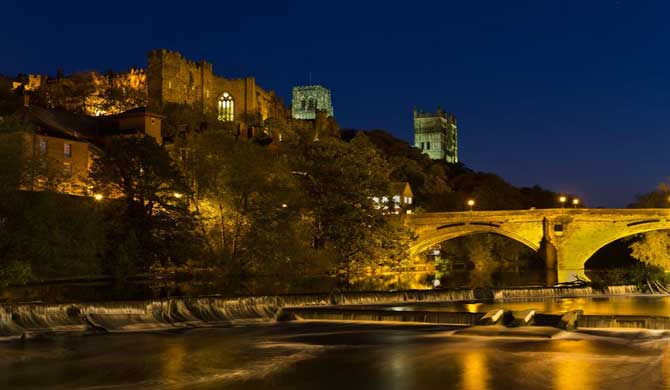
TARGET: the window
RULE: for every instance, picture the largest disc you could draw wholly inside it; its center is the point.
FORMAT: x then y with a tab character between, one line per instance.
422	145
311	104
303	104
67	169
427	145
226	108
43	146
67	150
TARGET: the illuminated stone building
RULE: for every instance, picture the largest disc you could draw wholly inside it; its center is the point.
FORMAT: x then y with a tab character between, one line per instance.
59	152
175	79
436	134
309	99
400	199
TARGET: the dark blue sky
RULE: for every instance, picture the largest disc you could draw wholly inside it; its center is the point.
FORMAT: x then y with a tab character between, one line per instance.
569	94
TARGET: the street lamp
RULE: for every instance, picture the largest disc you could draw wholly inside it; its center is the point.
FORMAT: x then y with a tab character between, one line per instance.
178	195
97	197
471	203
562	199
575	202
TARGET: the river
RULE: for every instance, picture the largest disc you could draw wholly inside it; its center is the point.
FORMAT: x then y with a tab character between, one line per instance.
318	355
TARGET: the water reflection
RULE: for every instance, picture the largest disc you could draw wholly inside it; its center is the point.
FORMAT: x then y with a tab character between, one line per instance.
332	356
570	369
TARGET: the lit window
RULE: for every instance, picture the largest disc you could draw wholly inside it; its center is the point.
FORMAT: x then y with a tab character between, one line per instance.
170	84
67	169
409	200
67	150
396	199
226	108
43	146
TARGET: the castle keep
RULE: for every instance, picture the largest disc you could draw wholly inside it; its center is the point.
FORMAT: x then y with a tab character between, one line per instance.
174	79
436	135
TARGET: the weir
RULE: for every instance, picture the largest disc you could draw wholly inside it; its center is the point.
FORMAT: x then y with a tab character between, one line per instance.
24	320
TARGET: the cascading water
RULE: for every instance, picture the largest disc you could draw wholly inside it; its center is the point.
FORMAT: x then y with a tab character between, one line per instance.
25	319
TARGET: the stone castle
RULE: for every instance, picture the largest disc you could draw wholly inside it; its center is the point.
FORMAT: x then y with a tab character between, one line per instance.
436	134
170	78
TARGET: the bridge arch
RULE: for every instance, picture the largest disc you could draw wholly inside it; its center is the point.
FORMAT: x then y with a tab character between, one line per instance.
428	241
598	245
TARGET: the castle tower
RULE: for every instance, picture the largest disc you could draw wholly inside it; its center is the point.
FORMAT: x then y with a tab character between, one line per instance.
309	99
436	135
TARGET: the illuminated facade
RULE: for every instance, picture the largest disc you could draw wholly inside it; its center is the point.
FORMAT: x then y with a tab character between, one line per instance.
59	153
436	135
171	78
307	100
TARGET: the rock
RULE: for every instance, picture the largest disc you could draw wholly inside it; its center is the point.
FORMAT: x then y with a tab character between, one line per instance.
491	318
519	318
569	320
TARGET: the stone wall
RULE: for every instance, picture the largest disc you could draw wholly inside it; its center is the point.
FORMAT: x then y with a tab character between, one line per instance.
175	79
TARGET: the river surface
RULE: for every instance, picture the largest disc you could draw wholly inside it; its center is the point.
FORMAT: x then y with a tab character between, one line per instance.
317	355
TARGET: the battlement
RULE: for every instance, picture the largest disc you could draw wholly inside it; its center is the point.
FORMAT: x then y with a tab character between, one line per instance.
168	57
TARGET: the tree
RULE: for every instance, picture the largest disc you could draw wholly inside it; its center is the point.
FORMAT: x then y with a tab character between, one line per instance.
153	205
653	248
250	201
340	179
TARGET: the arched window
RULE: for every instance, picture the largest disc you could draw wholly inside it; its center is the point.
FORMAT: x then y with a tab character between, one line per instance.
311	105
226	108
303	103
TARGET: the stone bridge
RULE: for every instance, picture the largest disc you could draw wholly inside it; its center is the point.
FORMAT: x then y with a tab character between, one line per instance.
565	238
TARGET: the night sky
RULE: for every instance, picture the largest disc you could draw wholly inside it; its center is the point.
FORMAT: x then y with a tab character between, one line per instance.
571	95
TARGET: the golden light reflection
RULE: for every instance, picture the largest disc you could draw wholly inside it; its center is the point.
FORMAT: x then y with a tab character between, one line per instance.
174	358
571	370
473	307
475	370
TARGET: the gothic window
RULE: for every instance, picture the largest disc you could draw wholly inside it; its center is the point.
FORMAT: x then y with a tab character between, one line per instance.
311	105
226	108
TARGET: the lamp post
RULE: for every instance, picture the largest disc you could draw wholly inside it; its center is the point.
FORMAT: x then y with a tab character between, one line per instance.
471	203
562	199
575	203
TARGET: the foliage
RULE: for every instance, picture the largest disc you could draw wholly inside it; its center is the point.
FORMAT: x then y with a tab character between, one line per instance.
489	253
153	205
340	179
439	186
653	248
251	202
